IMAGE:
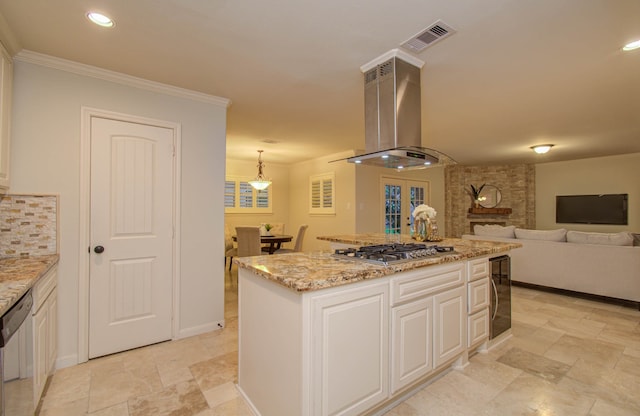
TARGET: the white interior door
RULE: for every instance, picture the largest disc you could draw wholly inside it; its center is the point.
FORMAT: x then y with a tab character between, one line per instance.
400	197
131	267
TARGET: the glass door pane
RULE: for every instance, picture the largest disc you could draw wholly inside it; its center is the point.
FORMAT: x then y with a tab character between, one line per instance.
392	209
416	197
400	199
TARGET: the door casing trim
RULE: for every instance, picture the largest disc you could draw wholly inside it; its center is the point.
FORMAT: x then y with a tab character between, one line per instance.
84	237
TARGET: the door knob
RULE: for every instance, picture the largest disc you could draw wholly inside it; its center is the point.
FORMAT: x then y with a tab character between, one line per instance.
98	249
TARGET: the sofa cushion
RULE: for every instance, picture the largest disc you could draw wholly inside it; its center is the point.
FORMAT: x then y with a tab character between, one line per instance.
495	230
546	235
636	239
609	239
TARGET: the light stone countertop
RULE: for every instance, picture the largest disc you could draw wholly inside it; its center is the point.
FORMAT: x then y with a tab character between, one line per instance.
19	274
303	272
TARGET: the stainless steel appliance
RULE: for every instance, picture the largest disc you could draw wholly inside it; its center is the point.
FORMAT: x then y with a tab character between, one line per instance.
16	362
393	116
500	268
385	254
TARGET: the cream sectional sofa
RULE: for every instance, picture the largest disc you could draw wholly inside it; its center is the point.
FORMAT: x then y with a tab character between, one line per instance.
592	263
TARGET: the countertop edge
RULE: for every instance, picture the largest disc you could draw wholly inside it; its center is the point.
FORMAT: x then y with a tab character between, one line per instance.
348	271
15	282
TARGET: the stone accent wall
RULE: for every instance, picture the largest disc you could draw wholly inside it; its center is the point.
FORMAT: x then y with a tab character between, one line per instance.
28	225
516	183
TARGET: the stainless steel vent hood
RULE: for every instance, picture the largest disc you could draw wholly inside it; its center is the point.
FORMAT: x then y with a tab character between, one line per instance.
392	115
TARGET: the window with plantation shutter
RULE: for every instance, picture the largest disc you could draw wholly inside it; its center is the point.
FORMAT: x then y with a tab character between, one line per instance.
322	194
229	194
246	195
241	198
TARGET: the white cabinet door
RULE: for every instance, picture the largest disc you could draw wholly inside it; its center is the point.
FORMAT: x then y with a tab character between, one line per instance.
478	327
52	330
450	332
411	342
6	86
350	350
478	295
40	329
45	331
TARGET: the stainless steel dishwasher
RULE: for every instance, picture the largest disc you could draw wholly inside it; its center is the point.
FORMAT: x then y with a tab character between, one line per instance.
16	359
500	295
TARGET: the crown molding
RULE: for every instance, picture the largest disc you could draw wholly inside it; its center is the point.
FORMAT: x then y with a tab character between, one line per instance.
117	77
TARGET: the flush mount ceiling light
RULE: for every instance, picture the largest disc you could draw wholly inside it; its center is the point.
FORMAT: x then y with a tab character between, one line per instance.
260	182
631	46
541	148
100	19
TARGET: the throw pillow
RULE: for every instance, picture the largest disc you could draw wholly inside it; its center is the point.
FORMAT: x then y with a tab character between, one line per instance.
546	235
608	239
495	230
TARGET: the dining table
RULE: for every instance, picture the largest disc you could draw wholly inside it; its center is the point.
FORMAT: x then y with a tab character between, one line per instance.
274	241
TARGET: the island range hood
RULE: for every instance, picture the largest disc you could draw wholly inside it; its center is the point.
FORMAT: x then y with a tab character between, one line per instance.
392	115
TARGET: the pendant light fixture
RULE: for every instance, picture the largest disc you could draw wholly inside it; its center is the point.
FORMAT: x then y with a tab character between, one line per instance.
260	182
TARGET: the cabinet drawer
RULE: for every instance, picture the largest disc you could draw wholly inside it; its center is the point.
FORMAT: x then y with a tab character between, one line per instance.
478	327
420	282
478	295
44	287
478	268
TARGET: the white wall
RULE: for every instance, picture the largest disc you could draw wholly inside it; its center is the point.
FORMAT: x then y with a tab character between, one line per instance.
343	221
603	175
45	158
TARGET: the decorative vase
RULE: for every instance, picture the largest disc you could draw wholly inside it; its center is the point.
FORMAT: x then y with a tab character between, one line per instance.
419	229
432	231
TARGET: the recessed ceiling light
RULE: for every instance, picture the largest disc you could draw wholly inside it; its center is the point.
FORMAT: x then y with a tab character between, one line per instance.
100	19
631	46
542	148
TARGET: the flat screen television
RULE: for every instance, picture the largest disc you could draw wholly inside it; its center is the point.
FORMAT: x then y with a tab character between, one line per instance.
592	209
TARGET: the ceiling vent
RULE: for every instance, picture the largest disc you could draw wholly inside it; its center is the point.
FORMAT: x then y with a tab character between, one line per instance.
434	33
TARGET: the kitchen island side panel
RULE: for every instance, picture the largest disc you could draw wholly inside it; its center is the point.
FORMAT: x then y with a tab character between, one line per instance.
270	326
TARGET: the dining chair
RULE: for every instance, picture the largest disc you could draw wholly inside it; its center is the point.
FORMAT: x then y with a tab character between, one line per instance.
277	228
229	248
248	238
298	245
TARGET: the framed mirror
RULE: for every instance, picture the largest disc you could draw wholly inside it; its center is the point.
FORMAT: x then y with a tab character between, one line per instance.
490	196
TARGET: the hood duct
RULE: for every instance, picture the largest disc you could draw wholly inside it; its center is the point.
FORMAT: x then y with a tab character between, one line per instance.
393	118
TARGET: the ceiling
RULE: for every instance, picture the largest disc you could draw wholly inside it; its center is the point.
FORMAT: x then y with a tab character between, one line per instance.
516	73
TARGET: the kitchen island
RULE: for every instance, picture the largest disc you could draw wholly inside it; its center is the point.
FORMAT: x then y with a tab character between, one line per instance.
320	335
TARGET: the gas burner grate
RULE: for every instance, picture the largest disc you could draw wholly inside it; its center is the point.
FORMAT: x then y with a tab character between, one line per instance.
391	253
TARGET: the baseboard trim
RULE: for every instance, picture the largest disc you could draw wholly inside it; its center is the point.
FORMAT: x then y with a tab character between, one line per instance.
66	361
201	329
588	296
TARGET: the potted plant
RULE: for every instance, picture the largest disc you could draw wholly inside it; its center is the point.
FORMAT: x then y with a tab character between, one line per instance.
267	229
475	194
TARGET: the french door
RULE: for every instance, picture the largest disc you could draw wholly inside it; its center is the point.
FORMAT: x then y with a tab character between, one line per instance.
400	199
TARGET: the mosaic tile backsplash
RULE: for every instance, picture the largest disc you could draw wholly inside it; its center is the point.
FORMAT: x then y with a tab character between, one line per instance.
28	225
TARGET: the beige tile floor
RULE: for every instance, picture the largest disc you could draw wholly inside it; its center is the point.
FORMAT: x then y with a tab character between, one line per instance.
566	357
